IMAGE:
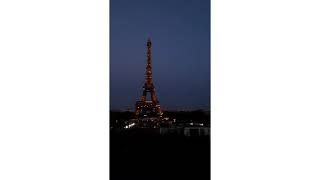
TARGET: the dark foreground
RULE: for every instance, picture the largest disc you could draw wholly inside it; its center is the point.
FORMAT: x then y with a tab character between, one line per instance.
158	157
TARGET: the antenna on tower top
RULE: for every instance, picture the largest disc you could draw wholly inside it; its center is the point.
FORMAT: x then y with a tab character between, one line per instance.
148	37
149	42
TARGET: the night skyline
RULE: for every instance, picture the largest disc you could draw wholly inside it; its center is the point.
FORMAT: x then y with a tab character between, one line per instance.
180	32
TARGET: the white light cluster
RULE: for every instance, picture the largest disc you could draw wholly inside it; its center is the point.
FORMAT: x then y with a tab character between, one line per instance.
129	126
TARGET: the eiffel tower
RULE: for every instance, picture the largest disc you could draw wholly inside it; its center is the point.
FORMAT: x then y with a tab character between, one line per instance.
148	108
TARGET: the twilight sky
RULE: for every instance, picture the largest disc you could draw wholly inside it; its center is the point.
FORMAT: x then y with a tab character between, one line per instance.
180	34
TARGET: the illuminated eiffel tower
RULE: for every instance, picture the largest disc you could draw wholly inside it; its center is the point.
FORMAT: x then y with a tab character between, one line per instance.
148	108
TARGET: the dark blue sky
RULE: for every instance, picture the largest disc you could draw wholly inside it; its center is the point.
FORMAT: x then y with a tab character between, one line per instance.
180	33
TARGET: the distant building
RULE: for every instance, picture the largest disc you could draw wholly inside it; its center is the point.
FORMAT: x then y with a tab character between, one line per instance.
186	131
196	131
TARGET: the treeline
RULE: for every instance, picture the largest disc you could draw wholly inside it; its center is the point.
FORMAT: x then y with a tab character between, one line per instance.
198	116
118	118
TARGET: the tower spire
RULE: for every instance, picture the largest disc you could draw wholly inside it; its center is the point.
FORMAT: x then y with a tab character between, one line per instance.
148	81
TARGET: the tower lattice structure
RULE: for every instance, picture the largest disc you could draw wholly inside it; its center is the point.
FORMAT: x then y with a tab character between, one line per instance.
144	107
